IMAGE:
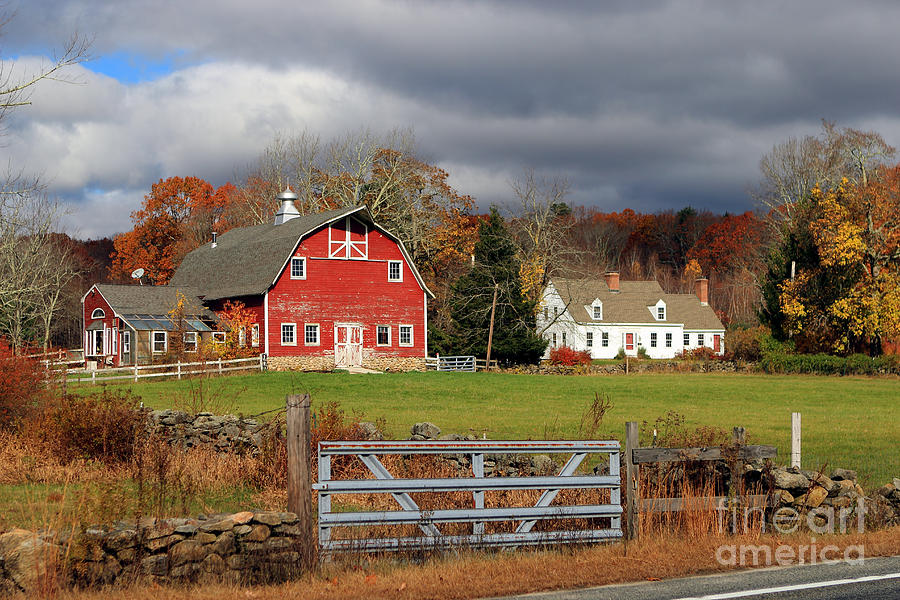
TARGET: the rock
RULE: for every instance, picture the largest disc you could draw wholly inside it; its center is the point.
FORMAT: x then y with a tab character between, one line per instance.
260	533
213	564
288	517
27	559
843	475
155	565
103	572
813	498
160	543
428	431
224	544
452	437
267	518
217	526
542	463
787	480
370	431
841	502
783	497
187	529
186	551
123	538
291	530
205	538
158	529
823	481
242	529
242	518
896	483
886	490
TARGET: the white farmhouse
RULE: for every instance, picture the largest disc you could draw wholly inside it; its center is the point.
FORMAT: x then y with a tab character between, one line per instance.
604	317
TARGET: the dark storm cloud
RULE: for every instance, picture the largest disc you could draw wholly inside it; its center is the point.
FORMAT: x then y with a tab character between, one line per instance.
644	104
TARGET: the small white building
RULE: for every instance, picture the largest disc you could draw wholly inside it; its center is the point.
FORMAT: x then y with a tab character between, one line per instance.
606	316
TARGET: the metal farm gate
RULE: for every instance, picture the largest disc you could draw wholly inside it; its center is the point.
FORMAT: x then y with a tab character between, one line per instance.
429	521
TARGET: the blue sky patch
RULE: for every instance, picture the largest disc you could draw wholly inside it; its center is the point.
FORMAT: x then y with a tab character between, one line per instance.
135	68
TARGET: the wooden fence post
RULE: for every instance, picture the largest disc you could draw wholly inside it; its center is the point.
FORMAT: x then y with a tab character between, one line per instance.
299	486
795	439
632	489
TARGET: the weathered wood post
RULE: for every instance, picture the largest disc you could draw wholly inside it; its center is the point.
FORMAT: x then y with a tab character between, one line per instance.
299	486
487	361
632	487
795	439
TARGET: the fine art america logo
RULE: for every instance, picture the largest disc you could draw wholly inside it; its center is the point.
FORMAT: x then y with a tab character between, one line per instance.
786	520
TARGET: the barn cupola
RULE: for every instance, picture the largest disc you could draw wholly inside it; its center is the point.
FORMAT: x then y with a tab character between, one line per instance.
287	210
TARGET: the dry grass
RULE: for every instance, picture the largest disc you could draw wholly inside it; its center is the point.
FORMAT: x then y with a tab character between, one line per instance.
479	575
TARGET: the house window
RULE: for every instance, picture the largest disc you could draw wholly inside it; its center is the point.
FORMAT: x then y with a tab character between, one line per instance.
218	337
311	334
564	338
126	342
298	267
546	315
661	313
254	335
190	341
653	339
288	334
590	339
160	342
555	311
406	335
687	340
383	335
668	340
604	339
98	313
395	270
554	340
699	339
598	313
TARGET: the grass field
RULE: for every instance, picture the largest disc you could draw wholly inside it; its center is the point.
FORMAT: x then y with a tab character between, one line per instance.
849	422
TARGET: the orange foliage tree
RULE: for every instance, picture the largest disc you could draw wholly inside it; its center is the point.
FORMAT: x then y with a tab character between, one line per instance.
176	216
237	322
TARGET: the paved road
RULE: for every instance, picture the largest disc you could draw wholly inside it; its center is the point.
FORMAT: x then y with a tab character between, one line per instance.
876	579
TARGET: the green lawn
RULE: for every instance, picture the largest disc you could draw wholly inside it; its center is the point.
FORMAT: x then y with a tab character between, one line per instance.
850	422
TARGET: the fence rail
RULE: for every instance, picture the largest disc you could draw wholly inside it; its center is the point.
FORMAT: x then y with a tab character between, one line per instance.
457	363
177	370
477	484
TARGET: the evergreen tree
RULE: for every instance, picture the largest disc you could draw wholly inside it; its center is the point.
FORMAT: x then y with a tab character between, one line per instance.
496	264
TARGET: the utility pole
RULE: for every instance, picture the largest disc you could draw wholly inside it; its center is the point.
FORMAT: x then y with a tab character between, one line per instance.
487	364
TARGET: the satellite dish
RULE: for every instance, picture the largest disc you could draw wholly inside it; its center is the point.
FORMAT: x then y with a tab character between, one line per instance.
137	274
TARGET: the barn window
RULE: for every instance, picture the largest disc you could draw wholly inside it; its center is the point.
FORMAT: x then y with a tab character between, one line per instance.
604	339
687	340
395	270
348	238
218	337
254	335
160	342
98	313
590	339
668	340
288	334
298	267
190	341
311	334
126	342
653	340
406	335
383	335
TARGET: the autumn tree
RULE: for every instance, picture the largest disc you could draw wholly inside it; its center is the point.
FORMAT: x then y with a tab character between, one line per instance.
178	215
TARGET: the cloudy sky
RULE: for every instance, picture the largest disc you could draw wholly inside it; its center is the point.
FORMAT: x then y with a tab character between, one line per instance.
649	105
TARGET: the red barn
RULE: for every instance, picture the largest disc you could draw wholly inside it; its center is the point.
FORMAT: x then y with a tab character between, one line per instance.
332	289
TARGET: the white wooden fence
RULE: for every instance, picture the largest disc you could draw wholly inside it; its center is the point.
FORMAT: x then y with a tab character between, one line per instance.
177	370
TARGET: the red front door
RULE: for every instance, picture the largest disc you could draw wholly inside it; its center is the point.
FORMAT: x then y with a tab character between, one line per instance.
629	341
717	340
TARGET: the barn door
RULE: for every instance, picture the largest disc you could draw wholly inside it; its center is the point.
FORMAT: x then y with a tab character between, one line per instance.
348	345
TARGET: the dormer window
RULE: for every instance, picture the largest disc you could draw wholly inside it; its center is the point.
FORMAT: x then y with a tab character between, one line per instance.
98	313
597	310
661	313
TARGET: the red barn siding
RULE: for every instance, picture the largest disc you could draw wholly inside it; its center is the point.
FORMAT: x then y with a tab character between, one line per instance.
347	291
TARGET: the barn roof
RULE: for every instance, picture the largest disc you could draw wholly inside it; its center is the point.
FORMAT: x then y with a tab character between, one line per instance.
246	261
632	303
147	307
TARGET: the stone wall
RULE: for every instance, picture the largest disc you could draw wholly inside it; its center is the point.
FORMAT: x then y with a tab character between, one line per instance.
639	366
234	548
221	432
326	363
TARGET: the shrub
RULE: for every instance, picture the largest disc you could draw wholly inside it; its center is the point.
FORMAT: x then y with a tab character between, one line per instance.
569	357
22	385
642	352
103	426
780	361
620	355
746	343
701	353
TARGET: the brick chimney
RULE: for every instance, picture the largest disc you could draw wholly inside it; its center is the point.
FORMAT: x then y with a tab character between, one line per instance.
612	281
701	288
